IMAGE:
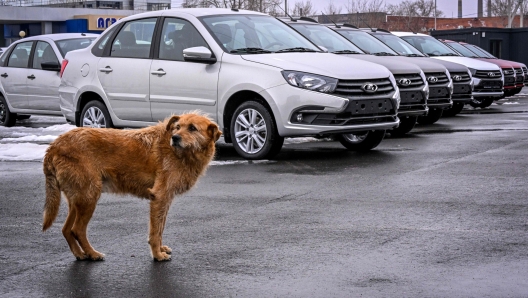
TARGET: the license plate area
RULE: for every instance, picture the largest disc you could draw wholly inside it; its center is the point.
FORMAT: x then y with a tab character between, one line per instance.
411	97
438	92
369	107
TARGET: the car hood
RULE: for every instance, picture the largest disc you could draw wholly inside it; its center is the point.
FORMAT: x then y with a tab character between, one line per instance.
326	64
451	66
426	64
469	62
501	63
396	67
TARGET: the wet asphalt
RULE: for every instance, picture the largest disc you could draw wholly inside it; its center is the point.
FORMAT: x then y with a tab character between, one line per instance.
442	212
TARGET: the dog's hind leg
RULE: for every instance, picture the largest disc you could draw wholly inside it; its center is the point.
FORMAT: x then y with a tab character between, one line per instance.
159	208
85	210
68	233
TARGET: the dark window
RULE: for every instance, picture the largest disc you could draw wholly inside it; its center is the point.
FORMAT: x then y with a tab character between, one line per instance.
495	48
67	45
20	55
98	49
176	36
134	39
43	53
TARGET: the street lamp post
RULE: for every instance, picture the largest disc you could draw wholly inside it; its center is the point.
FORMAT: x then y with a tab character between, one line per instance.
435	13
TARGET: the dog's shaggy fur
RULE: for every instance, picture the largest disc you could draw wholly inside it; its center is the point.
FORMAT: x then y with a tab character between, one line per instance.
154	163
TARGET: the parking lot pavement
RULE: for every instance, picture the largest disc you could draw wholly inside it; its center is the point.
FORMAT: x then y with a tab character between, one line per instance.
441	212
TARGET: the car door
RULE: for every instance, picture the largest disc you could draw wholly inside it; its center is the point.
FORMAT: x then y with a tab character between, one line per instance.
43	85
124	74
14	75
177	86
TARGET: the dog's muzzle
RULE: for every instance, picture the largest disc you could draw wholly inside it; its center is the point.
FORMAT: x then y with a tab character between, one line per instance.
176	141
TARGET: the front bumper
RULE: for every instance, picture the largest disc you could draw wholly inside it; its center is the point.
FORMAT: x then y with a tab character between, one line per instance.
487	88
439	98
328	114
413	103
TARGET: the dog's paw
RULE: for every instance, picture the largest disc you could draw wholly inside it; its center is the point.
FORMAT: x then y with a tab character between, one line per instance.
166	249
162	257
82	257
97	256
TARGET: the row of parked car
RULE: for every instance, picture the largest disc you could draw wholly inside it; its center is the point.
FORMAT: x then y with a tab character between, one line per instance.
260	78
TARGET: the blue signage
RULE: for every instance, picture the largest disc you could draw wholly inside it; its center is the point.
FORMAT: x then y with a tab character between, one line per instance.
103	23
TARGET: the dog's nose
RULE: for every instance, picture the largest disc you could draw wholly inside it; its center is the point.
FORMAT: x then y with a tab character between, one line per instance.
176	139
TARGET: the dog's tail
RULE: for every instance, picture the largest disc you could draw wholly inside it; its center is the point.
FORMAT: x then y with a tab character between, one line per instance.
53	194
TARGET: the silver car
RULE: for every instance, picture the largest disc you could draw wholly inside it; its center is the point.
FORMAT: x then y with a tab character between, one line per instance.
255	76
29	75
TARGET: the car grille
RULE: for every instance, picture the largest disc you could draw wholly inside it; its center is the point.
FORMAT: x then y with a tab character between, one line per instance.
485	74
489	86
460	77
355	88
441	78
438	92
461	89
519	76
509	80
415	81
525	71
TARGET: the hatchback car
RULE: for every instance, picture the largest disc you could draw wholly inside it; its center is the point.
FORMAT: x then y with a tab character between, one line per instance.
255	76
29	75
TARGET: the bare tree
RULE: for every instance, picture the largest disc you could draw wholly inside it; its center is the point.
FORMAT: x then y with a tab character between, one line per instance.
365	6
414	12
265	6
507	9
303	9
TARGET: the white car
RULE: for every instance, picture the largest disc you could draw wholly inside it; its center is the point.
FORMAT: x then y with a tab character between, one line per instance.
255	76
488	79
29	75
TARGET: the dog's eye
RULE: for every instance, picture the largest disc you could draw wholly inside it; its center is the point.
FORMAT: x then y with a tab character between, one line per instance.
178	126
192	128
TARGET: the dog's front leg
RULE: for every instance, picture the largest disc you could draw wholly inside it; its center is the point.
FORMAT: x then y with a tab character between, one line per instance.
159	207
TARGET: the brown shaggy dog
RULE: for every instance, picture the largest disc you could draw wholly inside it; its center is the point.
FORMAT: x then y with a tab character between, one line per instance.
154	163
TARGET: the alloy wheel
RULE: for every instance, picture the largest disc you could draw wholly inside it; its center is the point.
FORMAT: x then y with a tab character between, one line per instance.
3	113
94	117
355	138
250	131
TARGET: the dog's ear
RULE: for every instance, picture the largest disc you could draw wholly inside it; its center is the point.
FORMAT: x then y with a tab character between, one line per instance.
214	132
172	120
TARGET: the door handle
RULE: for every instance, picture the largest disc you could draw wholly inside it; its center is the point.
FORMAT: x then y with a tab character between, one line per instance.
159	72
106	69
31	77
4	75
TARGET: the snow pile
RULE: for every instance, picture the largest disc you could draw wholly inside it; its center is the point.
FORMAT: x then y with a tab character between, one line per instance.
30	138
22	152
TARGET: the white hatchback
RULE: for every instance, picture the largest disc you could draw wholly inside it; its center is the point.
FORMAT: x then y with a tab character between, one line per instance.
29	75
255	76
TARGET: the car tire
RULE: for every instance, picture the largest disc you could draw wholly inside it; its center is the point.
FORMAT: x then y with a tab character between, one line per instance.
482	102
454	110
7	118
406	124
250	143
23	117
95	114
361	141
433	116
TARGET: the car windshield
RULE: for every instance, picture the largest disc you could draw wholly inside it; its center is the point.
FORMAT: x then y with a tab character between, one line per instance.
366	42
430	46
399	45
256	34
326	37
479	51
462	50
67	45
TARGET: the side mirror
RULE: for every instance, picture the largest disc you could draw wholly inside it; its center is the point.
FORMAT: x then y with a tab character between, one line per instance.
199	55
52	66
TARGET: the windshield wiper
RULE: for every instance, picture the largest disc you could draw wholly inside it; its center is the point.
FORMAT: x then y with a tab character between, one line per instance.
448	54
413	55
250	51
431	54
297	49
346	52
384	54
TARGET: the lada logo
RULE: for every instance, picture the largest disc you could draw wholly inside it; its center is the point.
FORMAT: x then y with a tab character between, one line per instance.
457	78
369	87
432	79
491	75
404	82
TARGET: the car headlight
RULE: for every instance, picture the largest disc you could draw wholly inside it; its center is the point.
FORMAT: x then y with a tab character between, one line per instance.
472	71
310	81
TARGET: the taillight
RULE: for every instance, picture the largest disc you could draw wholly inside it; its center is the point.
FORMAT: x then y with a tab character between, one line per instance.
63	66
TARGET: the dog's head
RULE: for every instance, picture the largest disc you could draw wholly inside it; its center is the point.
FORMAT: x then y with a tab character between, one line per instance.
192	131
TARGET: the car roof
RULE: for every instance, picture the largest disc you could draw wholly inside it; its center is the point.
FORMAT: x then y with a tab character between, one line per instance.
59	36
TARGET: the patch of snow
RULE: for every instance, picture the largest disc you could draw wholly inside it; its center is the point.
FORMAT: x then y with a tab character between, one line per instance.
22	152
30	138
239	162
510	103
60	128
304	140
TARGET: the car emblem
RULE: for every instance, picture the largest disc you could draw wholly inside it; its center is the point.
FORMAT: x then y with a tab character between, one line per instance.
369	87
457	78
491	75
404	82
432	79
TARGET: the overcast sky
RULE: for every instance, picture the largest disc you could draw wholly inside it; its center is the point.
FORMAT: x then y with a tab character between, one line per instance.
449	7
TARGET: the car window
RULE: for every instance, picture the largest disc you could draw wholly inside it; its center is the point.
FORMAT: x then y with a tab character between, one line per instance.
99	47
429	46
326	37
67	45
20	55
43	53
366	42
462	50
176	36
134	39
247	34
397	44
